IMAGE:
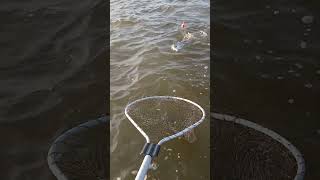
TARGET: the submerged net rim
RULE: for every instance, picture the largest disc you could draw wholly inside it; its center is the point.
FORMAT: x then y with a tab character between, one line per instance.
293	150
165	139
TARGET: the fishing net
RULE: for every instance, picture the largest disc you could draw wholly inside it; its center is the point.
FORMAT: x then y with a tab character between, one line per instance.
164	116
244	150
81	152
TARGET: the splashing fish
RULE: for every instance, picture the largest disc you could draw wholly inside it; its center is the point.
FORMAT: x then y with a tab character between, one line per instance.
187	37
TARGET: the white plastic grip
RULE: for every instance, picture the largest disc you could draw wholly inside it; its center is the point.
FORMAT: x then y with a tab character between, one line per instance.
144	168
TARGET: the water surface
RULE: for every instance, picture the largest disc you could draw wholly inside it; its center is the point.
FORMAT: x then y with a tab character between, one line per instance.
143	64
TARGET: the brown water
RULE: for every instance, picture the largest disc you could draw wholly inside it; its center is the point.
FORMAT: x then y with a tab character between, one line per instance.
143	64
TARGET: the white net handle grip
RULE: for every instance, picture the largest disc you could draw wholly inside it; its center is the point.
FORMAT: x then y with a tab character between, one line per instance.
144	168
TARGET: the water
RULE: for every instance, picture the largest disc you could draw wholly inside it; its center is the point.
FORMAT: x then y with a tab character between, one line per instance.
142	63
52	78
266	69
266	64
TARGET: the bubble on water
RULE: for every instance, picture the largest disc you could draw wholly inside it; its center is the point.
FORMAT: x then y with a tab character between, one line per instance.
166	158
169	149
201	93
280	77
264	76
174	91
309	29
118	178
291	101
307	19
291	71
204	75
259	41
176	170
308	85
258	57
303	44
298	65
308	113
246	41
275	12
206	67
134	172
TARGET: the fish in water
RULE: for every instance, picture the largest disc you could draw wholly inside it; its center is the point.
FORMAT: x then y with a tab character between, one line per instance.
187	37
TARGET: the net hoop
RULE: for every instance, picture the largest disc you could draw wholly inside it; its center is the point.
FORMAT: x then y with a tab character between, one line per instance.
293	150
165	139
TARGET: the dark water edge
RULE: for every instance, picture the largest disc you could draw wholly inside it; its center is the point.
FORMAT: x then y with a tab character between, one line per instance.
52	75
260	72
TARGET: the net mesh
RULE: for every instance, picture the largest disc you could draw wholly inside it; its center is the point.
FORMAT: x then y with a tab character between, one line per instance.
160	117
81	152
243	153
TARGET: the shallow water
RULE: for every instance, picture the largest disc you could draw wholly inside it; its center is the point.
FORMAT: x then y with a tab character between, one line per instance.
143	64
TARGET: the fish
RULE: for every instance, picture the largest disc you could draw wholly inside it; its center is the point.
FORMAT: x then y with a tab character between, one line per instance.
188	37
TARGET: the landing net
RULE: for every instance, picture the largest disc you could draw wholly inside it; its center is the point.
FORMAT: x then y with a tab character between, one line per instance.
162	118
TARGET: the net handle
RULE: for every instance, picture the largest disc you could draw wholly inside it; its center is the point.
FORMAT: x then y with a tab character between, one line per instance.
165	139
144	168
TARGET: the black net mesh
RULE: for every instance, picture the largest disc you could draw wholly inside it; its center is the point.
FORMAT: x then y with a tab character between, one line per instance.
160	117
81	153
242	153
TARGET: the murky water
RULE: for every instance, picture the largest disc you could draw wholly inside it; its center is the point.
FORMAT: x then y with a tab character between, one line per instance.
266	69
143	64
52	52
